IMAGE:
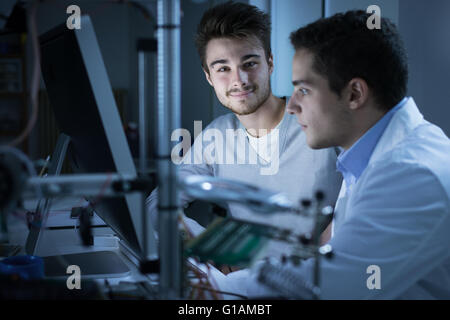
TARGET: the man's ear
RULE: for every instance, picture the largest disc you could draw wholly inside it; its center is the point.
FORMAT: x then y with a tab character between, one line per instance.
358	92
208	77
270	63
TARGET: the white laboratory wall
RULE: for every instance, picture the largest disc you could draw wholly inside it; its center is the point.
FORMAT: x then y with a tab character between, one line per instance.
425	28
264	5
288	16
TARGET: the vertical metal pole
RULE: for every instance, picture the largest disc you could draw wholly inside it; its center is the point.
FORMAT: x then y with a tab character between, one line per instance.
142	113
142	144
169	105
144	46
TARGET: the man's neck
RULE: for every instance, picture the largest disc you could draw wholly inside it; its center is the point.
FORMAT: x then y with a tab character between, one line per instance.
267	117
362	124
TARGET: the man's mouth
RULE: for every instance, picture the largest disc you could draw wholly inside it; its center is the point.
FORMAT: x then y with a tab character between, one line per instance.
302	125
241	94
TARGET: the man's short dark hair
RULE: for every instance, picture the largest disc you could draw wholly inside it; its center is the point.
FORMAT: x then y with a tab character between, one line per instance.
345	48
233	20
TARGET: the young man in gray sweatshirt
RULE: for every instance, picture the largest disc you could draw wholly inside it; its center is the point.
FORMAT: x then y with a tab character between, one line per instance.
259	142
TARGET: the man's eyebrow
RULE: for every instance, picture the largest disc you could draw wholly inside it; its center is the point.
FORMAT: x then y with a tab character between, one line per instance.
217	61
223	61
249	56
302	81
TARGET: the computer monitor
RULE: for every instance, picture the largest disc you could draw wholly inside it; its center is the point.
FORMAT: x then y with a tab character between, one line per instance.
81	97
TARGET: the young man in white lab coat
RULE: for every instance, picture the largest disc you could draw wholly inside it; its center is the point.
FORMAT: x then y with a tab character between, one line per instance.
390	234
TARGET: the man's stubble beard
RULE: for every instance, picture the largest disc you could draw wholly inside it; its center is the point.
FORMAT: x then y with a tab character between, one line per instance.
265	94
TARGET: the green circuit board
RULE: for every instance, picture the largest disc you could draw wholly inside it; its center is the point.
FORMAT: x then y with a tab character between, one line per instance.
229	242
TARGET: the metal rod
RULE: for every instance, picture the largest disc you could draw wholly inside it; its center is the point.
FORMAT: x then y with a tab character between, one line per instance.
143	146
142	113
169	106
77	185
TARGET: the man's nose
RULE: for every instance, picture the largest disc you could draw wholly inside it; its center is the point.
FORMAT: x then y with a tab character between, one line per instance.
240	78
292	106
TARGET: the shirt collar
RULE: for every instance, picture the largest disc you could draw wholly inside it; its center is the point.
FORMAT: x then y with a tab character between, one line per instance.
352	162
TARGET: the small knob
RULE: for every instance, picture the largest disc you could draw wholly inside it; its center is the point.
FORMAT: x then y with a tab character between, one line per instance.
327	251
306	203
319	195
305	239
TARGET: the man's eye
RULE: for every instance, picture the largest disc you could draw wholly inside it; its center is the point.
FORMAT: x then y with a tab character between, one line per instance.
222	69
304	91
250	64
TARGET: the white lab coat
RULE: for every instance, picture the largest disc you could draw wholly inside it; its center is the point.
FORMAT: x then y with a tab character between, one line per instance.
397	218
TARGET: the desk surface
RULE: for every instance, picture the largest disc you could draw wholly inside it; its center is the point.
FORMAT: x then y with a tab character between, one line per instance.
61	237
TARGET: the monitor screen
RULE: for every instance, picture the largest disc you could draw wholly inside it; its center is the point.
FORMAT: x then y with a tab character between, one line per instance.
81	97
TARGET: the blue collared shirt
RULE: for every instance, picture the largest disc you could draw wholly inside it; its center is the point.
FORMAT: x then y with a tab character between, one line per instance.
352	162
